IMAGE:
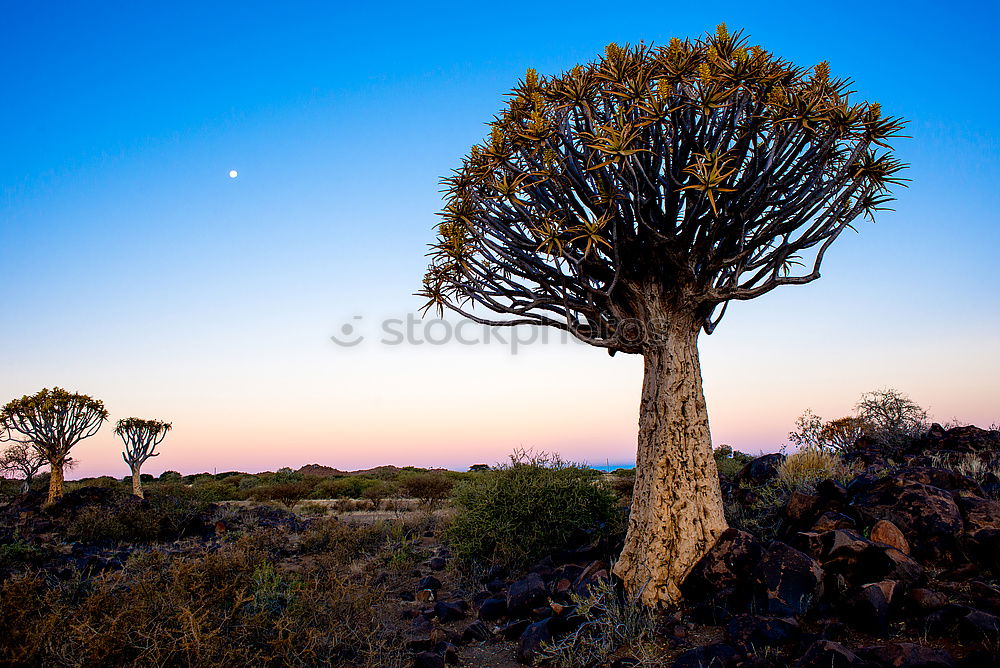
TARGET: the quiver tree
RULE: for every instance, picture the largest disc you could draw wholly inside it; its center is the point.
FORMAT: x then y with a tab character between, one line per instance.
141	438
23	460
628	201
53	421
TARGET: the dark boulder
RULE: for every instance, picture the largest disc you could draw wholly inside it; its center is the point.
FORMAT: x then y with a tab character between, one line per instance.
938	477
928	516
530	642
978	514
513	630
977	626
792	580
759	471
755	631
830	520
476	632
525	594
828	654
719	655
429	582
802	508
428	660
450	611
869	611
969	439
492	609
983	547
729	566
927	600
907	655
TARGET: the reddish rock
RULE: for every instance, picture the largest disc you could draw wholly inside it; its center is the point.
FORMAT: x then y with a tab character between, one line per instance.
801	507
829	521
887	533
927	600
927	514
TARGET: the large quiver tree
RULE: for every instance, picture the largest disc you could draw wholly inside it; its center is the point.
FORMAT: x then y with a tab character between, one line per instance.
140	438
628	201
53	421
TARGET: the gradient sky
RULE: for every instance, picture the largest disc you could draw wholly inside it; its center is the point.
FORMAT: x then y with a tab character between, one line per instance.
135	270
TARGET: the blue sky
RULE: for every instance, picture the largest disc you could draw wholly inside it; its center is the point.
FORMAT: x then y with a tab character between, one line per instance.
136	270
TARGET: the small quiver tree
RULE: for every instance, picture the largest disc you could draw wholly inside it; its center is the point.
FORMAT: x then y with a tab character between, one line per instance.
23	460
628	201
141	438
53	421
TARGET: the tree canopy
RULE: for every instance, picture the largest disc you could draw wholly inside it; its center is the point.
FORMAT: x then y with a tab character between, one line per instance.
702	171
53	420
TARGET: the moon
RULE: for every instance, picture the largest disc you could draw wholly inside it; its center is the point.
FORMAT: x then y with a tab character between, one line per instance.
233	173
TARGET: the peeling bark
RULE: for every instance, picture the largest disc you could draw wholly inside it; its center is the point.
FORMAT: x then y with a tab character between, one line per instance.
677	512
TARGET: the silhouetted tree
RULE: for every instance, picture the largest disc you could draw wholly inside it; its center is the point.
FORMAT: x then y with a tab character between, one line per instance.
140	438
23	460
890	416
53	421
628	201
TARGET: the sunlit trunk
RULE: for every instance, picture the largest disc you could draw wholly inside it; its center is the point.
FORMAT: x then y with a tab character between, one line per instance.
57	486
137	483
677	512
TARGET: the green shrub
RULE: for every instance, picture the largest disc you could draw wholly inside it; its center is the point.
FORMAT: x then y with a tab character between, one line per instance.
347	487
521	511
428	488
289	494
729	461
18	552
379	491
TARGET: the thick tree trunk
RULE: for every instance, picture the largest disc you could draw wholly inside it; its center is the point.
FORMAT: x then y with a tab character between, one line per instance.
57	485
137	483
677	510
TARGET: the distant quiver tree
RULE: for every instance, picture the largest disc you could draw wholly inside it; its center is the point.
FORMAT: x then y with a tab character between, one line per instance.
53	421
628	201
22	459
140	438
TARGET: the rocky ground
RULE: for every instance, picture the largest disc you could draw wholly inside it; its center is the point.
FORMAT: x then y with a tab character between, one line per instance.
896	567
899	567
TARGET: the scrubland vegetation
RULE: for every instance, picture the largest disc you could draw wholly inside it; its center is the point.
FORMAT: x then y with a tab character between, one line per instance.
409	566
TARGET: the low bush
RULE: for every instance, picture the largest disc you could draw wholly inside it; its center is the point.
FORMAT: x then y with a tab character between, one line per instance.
613	627
534	505
288	494
379	491
428	488
347	487
803	469
128	518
